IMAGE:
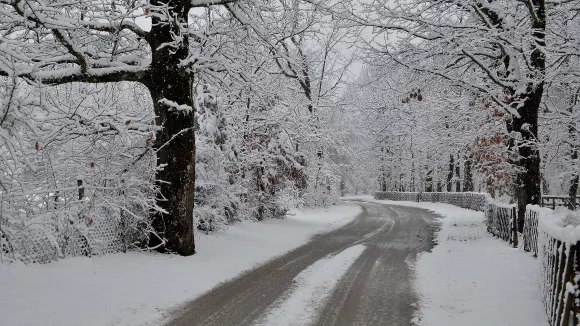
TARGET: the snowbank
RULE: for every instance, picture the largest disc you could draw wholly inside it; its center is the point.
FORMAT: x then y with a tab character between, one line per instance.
472	278
139	288
561	224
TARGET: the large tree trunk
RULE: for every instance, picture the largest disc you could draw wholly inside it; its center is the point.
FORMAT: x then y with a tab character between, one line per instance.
175	142
528	185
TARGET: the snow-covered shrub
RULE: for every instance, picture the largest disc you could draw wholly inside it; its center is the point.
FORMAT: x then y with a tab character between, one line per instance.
323	187
269	174
78	174
217	188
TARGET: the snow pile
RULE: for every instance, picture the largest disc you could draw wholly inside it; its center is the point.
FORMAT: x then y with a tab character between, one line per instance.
313	286
561	224
138	289
569	217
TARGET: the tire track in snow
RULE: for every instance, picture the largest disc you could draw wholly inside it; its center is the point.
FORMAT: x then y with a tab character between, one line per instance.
374	290
301	304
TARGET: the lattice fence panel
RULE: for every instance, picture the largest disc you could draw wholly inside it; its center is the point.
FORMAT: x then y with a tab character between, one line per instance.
64	229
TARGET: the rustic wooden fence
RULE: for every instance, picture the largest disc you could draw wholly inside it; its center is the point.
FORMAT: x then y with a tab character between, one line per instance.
559	268
469	200
556	201
559	276
530	234
501	221
559	260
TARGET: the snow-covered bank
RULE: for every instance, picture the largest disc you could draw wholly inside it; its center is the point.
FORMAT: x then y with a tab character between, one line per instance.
472	278
138	289
313	285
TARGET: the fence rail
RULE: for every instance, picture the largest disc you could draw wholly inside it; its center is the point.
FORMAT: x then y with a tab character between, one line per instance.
559	261
557	201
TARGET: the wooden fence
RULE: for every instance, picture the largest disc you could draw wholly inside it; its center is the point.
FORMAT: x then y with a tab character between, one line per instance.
530	234
469	200
555	201
559	272
559	261
501	221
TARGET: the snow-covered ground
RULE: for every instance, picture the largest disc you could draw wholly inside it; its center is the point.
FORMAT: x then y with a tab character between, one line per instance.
312	286
472	278
138	288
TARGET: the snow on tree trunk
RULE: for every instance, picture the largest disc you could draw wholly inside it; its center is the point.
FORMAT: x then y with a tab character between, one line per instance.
170	88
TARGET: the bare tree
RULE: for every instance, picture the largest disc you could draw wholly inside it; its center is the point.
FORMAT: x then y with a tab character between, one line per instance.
477	45
58	42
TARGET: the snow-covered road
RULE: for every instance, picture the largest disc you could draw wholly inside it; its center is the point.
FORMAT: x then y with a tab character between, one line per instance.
359	274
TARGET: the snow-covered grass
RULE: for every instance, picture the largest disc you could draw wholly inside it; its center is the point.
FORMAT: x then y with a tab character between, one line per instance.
472	278
139	288
312	286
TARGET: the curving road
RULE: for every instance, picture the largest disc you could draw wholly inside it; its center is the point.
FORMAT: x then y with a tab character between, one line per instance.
375	290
